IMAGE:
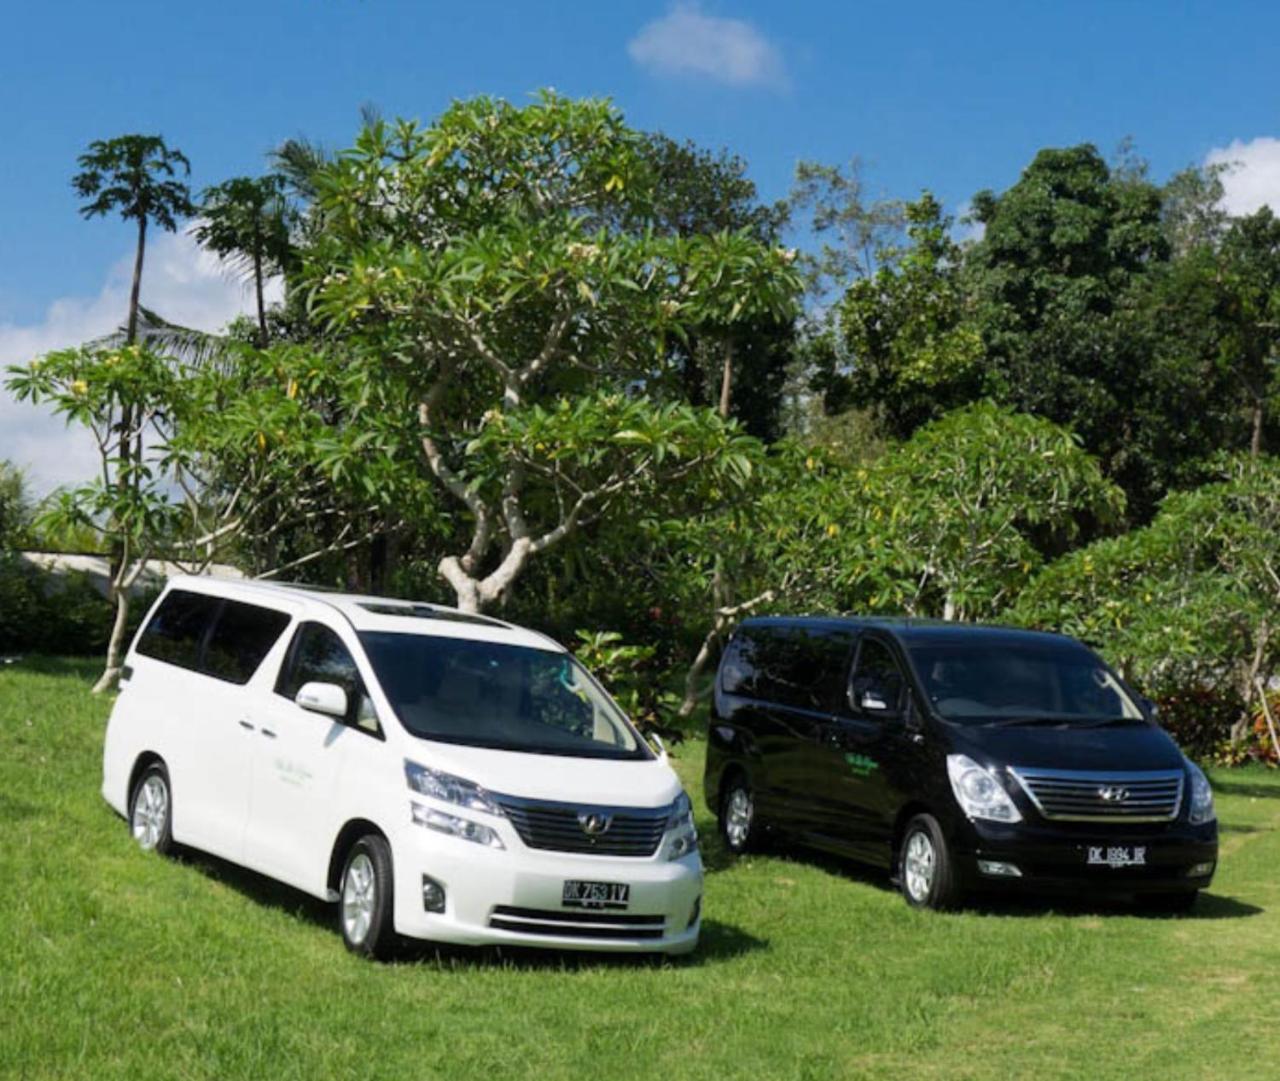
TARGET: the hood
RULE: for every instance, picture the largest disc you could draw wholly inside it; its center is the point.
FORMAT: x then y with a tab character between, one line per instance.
605	781
1137	746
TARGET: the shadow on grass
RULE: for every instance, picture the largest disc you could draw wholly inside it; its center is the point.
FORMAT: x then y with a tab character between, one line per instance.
718	941
1245	788
1208	906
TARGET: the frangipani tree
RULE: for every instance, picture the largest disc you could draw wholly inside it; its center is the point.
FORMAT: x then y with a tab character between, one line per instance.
487	299
125	398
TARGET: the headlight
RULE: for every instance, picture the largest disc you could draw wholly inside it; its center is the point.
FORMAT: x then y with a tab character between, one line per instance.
448	788
1201	797
682	834
454	826
978	792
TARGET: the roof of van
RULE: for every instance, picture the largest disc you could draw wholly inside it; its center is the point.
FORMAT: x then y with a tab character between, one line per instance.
920	631
369	613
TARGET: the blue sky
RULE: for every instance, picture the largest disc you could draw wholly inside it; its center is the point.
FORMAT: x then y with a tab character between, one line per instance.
953	97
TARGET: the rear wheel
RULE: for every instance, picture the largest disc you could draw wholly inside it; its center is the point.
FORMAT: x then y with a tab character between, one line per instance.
926	872
738	823
366	896
151	811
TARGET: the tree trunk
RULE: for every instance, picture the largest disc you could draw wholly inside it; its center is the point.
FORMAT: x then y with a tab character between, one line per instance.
726	381
115	646
262	308
131	328
693	677
1255	438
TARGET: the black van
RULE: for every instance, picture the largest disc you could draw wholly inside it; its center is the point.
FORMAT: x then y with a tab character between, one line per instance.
961	757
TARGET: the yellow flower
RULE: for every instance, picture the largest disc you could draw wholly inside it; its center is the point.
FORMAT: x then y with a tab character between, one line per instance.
832	529
79	386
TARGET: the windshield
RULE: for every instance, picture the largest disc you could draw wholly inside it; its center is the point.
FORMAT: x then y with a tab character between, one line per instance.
486	694
1036	682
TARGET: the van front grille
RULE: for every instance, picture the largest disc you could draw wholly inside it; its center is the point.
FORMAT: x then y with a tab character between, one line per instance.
1103	796
594	831
599	925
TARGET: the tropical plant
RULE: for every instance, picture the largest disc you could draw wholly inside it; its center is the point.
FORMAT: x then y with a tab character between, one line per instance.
247	221
486	298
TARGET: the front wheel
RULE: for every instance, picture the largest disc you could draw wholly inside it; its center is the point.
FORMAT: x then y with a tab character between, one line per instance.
367	893
926	871
738	823
151	811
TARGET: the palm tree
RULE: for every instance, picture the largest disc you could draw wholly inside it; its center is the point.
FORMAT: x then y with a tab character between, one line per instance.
138	177
248	222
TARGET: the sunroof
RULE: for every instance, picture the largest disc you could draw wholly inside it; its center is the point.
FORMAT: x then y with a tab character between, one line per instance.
427	611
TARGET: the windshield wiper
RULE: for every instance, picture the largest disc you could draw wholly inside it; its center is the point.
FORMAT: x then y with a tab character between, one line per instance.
1107	722
1010	722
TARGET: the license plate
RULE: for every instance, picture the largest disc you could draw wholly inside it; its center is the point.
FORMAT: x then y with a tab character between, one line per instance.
595	894
1116	856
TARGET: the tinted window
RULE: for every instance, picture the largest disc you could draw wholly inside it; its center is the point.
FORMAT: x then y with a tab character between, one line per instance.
318	656
242	637
876	677
176	631
795	666
737	673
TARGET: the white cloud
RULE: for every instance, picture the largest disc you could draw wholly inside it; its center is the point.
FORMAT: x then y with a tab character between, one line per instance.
1253	177
687	42
181	282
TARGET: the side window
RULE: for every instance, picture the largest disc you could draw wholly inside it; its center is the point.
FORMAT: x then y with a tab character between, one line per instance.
175	632
876	687
737	674
317	655
242	637
803	667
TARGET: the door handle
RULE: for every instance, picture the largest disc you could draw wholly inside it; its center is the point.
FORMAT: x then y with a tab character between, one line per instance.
268	733
246	726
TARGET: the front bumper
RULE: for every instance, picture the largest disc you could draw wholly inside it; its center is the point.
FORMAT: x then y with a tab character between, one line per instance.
1056	857
513	897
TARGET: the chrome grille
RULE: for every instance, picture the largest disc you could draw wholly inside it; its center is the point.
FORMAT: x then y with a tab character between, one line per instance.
1103	796
558	827
533	921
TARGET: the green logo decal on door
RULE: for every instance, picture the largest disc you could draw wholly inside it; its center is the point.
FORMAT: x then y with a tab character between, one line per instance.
860	765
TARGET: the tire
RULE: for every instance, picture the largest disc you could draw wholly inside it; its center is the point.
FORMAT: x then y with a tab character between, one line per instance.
366	895
739	827
926	871
151	810
1169	904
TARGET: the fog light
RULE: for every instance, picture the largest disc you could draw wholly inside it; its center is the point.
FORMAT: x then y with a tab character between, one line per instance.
432	894
697	911
1200	870
998	869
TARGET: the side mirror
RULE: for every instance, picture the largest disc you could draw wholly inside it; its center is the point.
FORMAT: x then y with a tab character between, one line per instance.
1149	707
873	701
326	698
662	747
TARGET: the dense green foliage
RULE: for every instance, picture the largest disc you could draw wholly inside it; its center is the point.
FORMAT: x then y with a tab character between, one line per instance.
120	964
527	353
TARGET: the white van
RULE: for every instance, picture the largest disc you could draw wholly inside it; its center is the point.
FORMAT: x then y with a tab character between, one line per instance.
443	776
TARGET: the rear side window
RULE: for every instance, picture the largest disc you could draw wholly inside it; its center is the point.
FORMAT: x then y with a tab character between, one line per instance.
175	632
241	639
798	666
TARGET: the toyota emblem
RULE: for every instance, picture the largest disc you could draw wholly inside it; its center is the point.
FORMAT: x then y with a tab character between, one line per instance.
594	823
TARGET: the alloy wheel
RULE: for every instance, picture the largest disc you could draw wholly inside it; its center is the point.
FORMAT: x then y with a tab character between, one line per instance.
359	896
150	812
919	862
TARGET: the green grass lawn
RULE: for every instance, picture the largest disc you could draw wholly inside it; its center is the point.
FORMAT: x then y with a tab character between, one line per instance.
118	964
